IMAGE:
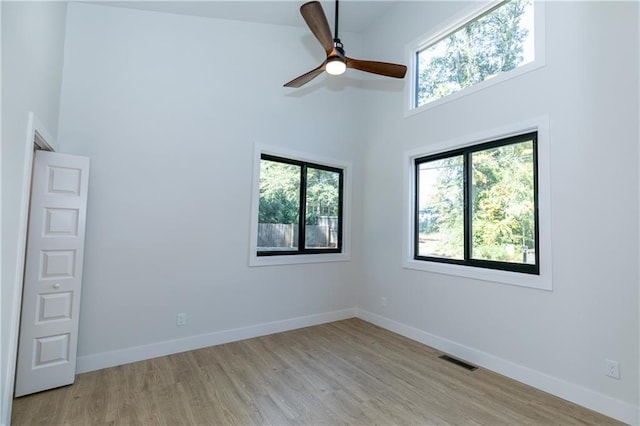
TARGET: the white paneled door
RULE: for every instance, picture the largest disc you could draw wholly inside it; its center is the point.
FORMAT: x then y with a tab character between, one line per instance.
53	273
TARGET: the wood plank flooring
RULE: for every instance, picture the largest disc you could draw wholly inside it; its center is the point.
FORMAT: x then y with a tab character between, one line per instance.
346	372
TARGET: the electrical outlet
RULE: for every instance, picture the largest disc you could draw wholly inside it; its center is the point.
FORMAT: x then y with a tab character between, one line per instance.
181	318
383	301
612	368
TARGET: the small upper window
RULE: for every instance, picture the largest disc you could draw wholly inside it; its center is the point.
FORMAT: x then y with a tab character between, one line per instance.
496	41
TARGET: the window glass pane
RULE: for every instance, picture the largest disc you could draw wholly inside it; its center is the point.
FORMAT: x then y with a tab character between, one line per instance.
503	212
497	42
441	208
279	207
322	209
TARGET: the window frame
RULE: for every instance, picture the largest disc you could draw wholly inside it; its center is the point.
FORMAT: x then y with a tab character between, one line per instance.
304	166
543	281
466	153
308	255
451	25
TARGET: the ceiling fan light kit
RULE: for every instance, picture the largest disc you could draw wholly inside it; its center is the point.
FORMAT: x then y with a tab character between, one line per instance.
335	65
337	62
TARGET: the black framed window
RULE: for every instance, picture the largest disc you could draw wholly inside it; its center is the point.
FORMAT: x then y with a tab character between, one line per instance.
300	207
478	206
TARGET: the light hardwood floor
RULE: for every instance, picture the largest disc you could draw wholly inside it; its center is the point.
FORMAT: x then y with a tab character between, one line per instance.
346	372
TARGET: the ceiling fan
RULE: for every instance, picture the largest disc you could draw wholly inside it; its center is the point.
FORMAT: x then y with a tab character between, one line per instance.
337	62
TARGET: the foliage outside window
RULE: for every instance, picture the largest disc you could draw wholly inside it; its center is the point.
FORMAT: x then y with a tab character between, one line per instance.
291	190
477	206
495	42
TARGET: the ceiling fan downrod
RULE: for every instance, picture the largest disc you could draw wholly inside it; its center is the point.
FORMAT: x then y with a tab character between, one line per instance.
336	40
336	63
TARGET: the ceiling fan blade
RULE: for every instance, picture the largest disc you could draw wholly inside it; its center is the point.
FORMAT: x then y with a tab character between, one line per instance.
382	68
305	78
316	19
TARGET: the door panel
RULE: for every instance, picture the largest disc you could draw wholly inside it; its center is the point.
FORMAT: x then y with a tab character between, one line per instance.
53	273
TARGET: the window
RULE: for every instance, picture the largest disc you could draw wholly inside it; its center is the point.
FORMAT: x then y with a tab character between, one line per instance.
478	206
300	207
481	48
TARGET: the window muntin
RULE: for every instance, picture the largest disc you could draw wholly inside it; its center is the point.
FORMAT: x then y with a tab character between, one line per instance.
477	206
495	42
290	190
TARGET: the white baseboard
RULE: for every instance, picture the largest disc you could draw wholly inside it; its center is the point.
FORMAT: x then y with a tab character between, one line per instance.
139	353
588	398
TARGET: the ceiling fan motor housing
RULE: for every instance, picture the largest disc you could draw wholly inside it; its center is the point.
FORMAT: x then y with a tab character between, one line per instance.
337	44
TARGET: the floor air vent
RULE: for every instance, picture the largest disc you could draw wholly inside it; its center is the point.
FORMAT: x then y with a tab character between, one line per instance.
458	362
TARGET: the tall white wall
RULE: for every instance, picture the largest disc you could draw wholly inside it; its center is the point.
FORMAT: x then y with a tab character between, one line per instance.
32	54
168	108
589	89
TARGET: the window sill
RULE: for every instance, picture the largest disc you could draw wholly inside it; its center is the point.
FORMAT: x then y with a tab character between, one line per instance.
541	282
298	259
411	110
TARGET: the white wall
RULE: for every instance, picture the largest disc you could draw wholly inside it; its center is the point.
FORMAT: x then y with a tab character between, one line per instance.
589	89
168	108
32	54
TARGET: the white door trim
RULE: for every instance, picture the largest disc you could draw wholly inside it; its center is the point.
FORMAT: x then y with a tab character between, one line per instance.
37	135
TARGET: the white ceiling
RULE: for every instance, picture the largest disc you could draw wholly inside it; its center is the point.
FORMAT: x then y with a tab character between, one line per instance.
355	15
